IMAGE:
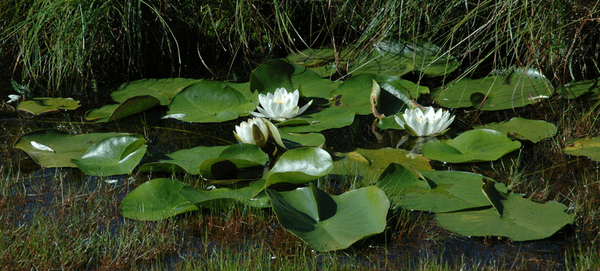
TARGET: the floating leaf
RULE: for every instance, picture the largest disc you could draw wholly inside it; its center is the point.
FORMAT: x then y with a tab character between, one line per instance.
354	93
522	219
523	129
188	160
400	57
371	163
129	107
316	121
156	200
576	89
471	146
331	222
434	191
162	89
112	156
210	101
207	198
64	146
589	147
300	165
492	194
45	105
320	61
518	88
236	162
293	141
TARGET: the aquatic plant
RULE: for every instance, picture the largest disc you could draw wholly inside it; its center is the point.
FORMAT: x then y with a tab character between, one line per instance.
428	123
280	105
257	131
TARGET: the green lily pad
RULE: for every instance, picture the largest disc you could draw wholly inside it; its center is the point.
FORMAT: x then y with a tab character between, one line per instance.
523	129
236	162
162	89
250	195
188	160
435	191
293	141
112	156
156	200
328	222
316	121
299	166
471	146
515	89
401	57
371	163
521	220
589	147
354	93
278	73
320	61
51	148
272	75
576	89
209	102
45	105
129	107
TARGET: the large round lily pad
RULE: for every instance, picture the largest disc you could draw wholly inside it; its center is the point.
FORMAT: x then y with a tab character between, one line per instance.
331	222
471	146
521	219
162	89
509	89
369	164
210	101
435	191
400	57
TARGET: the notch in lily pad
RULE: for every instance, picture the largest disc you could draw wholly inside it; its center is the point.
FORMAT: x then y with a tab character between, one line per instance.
329	222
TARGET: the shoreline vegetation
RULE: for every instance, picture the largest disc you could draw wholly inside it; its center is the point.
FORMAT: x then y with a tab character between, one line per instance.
59	218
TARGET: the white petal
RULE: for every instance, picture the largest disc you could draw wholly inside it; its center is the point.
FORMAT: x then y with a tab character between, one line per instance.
41	147
13	98
174	116
256	114
301	110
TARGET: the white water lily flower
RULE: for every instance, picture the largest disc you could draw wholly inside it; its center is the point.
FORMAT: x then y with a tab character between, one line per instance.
13	98
280	106
428	123
257	131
